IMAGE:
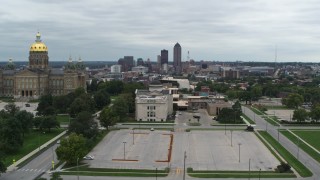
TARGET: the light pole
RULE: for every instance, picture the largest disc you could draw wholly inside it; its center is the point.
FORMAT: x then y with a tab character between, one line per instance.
231	137
259	173
278	134
267	126
78	168
184	165
298	143
133	135
124	150
156	173
249	169
239	151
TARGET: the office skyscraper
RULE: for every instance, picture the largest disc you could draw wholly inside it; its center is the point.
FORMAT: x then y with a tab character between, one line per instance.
164	56
177	58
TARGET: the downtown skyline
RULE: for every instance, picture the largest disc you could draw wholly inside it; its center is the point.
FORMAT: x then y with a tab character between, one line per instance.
212	31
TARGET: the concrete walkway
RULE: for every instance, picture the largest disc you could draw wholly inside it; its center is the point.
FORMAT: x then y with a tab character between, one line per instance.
14	166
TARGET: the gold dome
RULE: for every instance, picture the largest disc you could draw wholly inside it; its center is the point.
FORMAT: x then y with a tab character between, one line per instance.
38	45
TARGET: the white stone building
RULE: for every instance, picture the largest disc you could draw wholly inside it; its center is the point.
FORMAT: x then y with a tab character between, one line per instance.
152	104
116	68
140	69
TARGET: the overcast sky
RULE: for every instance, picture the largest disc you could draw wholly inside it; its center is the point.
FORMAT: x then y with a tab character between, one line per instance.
221	30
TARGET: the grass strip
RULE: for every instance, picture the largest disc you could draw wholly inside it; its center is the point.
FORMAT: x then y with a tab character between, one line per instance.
271	121
248	119
126	174
277	107
255	110
149	124
194	124
315	155
292	161
85	170
242	175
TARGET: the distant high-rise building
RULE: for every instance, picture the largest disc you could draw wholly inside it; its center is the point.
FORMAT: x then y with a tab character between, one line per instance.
164	56
140	62
126	63
177	58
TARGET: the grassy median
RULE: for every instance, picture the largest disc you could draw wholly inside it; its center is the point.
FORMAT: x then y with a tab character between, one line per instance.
292	161
310	137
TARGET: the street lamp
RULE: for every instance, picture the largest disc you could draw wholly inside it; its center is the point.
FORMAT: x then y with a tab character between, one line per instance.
133	135
156	173
124	150
239	151
184	165
259	173
278	133
231	137
78	168
249	169
298	143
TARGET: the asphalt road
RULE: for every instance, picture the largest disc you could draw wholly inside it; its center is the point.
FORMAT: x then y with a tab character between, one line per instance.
34	168
308	161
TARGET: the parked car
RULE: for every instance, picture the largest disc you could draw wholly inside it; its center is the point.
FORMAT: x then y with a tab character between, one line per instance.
88	157
27	105
152	129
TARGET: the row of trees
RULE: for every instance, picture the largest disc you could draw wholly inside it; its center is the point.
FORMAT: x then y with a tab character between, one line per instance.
230	115
301	115
15	124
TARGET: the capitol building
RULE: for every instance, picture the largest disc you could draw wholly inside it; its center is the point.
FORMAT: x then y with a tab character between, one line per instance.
38	78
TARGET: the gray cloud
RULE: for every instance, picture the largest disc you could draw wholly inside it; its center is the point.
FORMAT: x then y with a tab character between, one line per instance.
211	30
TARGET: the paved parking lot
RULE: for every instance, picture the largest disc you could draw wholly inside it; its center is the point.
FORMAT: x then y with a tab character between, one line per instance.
149	147
206	150
22	106
212	150
284	114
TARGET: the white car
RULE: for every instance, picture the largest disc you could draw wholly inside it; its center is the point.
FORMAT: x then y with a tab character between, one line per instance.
88	157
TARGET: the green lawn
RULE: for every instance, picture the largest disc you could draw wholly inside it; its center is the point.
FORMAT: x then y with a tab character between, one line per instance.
310	137
63	119
293	162
32	141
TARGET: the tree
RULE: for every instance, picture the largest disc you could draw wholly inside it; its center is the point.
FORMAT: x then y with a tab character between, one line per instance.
108	117
72	148
293	100
49	122
11	109
228	115
101	98
93	87
11	139
300	115
44	103
61	103
26	120
3	167
84	124
82	103
315	113
121	108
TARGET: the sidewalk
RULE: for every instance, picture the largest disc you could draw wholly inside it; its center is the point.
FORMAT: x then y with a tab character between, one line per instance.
14	166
